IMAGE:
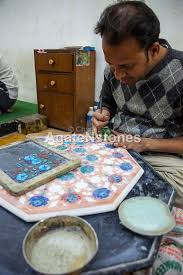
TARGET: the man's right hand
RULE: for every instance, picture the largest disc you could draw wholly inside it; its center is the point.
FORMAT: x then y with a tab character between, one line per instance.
100	119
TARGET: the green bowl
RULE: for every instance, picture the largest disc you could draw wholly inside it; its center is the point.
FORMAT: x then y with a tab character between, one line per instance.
60	245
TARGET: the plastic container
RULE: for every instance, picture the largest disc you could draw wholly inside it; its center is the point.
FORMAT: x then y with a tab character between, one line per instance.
95	108
89	125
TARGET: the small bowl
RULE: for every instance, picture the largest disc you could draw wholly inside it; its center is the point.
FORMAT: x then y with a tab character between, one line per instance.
60	245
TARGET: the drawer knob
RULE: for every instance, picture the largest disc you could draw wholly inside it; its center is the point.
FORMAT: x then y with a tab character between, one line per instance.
41	106
51	61
52	82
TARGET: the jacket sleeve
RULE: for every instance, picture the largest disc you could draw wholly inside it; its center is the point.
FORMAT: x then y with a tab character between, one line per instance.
106	93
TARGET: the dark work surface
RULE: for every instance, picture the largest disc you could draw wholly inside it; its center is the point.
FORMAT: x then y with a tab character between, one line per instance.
120	249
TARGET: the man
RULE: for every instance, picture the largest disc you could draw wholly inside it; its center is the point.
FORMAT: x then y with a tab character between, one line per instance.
8	87
143	88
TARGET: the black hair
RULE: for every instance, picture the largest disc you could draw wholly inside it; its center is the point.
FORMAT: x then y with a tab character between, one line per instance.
129	19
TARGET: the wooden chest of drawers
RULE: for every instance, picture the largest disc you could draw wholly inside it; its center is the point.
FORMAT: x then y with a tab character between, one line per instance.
65	82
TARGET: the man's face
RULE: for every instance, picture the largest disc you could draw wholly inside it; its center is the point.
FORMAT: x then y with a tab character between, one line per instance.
128	60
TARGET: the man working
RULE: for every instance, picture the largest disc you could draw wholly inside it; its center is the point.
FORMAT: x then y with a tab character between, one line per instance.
8	87
143	88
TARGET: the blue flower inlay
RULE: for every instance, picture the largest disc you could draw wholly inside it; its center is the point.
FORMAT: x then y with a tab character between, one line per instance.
101	193
67	142
29	157
115	179
36	161
72	198
110	146
61	147
80	143
80	150
67	176
118	155
38	201
44	167
91	157
87	169
126	166
21	177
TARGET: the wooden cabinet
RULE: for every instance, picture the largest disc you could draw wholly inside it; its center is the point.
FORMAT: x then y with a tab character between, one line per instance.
65	82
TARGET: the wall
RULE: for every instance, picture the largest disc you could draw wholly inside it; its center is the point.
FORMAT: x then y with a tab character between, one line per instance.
26	25
170	14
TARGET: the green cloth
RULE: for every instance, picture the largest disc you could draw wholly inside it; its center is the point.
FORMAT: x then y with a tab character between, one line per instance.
20	109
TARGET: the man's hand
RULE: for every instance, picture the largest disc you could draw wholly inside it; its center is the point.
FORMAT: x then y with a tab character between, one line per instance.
100	119
129	142
136	143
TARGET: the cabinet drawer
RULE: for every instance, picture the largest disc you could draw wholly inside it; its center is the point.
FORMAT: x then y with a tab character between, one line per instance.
58	62
58	108
56	83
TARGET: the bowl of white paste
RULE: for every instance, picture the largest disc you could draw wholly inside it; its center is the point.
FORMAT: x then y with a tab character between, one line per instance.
60	245
146	215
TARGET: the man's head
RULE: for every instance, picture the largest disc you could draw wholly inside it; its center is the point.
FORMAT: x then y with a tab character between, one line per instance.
130	32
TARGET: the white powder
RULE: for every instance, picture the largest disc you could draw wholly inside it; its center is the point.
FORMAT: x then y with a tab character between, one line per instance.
62	250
